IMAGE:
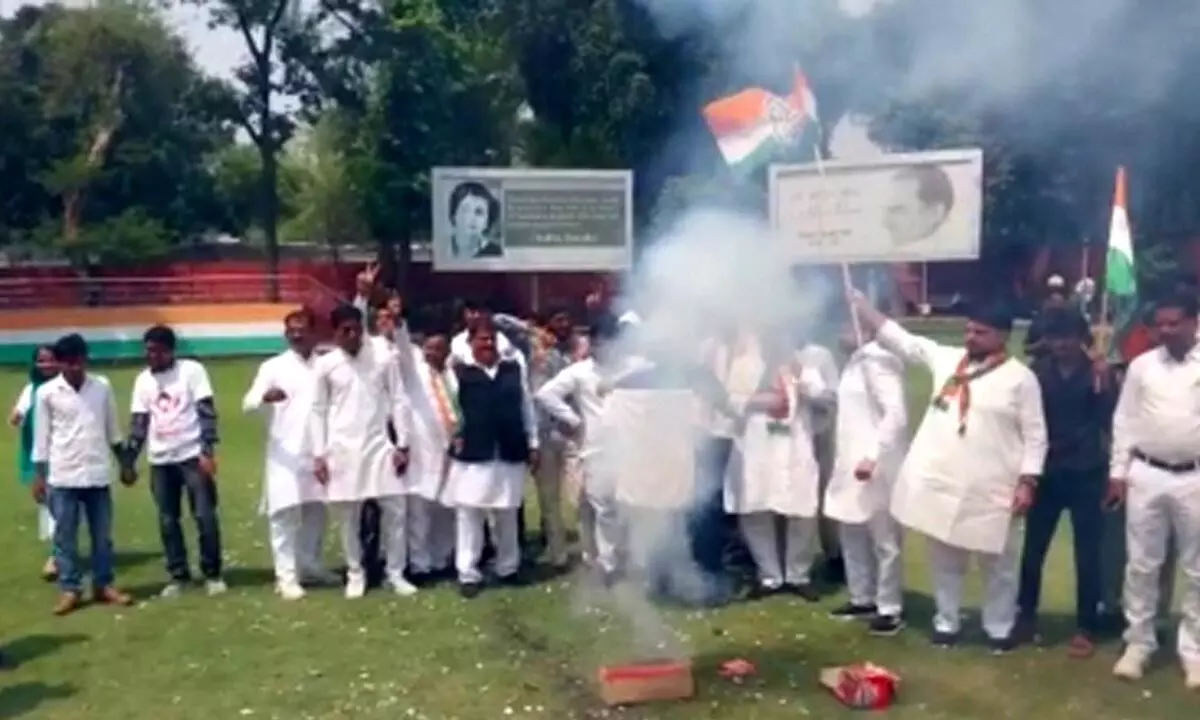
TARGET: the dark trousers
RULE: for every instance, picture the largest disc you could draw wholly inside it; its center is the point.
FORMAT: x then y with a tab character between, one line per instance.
708	525
170	483
72	505
1080	493
368	535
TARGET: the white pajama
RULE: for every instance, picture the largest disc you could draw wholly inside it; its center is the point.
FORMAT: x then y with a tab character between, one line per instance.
1159	505
948	565
795	563
393	534
470	525
297	535
430	534
874	563
314	518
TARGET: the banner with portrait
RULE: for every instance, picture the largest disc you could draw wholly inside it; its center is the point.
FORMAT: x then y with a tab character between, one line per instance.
911	207
531	220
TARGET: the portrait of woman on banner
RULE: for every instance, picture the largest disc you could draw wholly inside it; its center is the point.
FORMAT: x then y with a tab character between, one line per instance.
475	222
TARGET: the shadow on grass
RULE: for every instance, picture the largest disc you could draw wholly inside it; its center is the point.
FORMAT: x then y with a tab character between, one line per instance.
23	699
130	559
31	647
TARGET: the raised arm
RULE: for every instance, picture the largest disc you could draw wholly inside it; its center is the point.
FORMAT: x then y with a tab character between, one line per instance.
1032	426
552	397
908	347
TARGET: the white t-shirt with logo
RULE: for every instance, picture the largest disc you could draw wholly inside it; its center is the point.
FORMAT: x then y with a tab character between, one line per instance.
170	398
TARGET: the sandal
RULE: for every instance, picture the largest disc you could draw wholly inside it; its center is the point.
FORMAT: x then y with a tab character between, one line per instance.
50	571
1081	647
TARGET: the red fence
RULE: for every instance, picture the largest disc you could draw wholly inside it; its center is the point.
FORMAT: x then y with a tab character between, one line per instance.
300	281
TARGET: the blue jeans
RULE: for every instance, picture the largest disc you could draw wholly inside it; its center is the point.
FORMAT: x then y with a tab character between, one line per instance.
65	505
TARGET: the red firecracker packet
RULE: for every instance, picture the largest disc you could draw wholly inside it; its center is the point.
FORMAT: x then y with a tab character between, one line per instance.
863	686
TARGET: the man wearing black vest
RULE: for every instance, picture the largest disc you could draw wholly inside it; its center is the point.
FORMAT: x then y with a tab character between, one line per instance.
491	455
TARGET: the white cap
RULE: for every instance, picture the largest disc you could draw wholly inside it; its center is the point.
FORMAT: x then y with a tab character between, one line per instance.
1056	281
630	318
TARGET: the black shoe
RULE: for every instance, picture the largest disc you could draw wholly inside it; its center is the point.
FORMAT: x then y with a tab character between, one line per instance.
1025	630
804	591
7	663
886	625
759	591
834	572
1001	646
512	580
850	611
468	590
421	579
944	640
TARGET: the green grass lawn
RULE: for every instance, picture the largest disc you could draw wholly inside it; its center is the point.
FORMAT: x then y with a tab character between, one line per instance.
529	652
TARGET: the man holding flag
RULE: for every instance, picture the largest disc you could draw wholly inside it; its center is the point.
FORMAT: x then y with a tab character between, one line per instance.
1122	341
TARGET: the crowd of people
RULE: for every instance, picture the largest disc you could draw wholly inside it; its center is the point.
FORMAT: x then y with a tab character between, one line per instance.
420	442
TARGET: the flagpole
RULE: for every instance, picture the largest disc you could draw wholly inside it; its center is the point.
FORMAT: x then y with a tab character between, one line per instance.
847	284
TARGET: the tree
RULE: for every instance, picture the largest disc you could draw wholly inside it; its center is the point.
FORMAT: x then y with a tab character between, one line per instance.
326	207
262	25
110	122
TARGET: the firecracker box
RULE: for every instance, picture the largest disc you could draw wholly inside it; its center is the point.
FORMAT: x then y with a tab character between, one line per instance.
654	681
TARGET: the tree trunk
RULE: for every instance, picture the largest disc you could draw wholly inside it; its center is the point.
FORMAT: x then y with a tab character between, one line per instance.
270	213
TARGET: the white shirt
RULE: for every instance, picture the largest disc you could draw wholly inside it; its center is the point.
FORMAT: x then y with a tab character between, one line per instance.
460	349
170	399
74	431
581	381
1158	412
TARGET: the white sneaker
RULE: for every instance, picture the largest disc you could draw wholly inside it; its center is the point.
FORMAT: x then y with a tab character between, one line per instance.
401	587
1132	664
1191	675
215	587
172	589
290	590
356	585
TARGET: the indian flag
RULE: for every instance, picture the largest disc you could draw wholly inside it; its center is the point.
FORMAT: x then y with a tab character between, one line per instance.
1120	281
754	125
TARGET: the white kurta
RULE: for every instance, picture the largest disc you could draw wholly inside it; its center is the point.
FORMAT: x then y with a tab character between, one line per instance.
648	445
288	478
872	424
495	485
354	397
429	439
773	472
959	489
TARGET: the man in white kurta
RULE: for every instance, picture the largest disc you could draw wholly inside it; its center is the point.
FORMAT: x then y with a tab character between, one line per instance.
495	447
581	383
774	476
357	390
1155	471
972	467
293	500
872	427
432	387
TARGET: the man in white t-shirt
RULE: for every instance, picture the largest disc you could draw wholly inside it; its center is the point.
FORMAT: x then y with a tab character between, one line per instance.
175	418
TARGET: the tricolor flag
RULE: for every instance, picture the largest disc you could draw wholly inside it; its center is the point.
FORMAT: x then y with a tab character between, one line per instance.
1120	278
754	125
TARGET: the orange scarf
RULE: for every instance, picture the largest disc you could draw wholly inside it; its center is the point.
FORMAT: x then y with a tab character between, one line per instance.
958	386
